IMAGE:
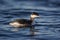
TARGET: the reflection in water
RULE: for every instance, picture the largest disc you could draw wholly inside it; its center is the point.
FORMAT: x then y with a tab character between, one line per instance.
15	29
32	30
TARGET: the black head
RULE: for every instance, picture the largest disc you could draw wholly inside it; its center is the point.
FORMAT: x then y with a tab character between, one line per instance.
34	15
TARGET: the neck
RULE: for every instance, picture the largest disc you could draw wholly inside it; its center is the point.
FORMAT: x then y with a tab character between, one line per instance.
32	19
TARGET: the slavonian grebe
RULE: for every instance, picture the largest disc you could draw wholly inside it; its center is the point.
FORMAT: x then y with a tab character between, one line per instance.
24	22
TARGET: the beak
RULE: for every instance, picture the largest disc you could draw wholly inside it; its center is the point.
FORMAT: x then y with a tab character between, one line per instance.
38	16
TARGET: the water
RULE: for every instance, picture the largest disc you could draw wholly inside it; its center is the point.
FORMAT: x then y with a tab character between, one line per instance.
47	27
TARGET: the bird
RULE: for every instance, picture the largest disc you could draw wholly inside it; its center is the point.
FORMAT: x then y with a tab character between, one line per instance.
24	22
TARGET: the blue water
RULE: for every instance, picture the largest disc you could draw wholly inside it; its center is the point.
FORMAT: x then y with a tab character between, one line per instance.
47	27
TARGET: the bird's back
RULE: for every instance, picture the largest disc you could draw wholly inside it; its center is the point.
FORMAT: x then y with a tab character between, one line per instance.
23	21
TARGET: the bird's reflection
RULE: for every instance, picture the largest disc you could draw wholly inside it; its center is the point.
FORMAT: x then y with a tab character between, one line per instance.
31	30
15	29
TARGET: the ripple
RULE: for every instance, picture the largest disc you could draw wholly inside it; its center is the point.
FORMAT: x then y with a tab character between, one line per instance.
47	27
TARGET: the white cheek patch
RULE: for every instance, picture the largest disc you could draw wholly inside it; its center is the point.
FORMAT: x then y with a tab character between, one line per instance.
33	16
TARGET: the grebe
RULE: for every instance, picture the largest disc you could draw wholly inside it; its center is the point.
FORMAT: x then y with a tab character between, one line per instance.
24	22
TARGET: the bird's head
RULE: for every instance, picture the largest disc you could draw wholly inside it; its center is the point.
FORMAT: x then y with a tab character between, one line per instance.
34	15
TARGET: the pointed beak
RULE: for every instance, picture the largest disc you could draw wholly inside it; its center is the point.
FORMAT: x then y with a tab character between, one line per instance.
38	17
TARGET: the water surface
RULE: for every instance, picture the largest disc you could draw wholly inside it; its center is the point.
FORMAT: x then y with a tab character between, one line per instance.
47	27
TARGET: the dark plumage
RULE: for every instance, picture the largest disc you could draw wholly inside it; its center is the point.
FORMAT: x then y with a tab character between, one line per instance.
34	13
24	22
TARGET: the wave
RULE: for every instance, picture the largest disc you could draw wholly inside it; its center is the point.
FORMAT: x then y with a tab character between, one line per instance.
30	9
38	5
